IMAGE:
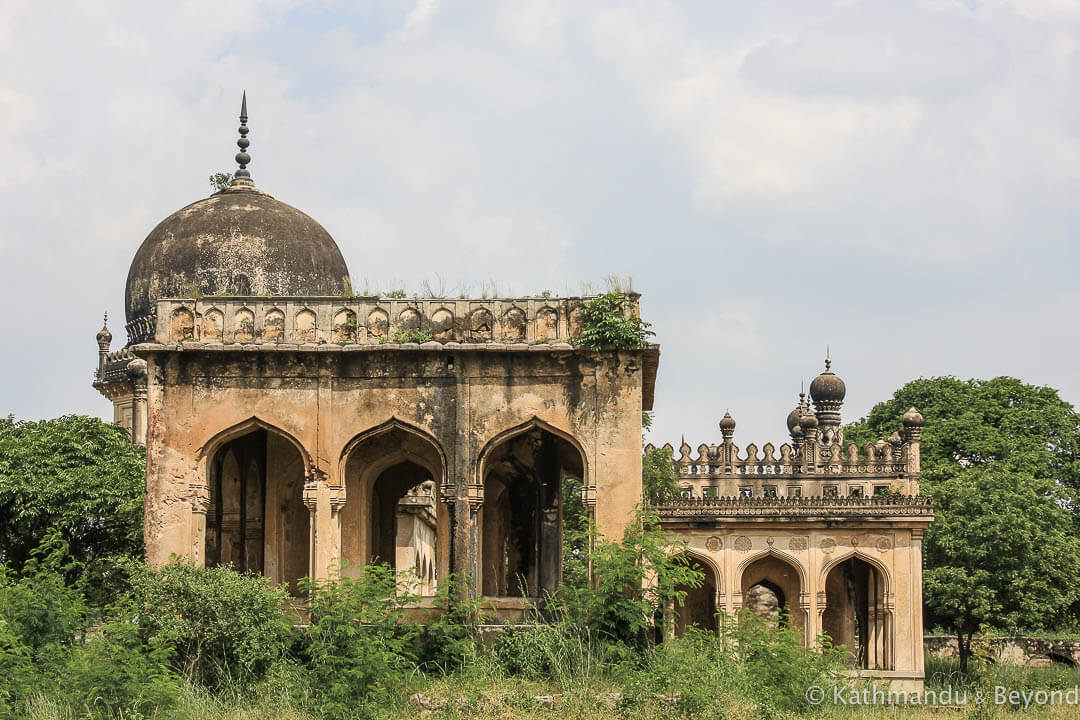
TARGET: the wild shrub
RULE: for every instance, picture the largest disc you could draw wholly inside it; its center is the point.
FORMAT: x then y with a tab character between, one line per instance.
38	608
777	668
634	579
220	626
608	321
555	651
449	638
116	672
357	646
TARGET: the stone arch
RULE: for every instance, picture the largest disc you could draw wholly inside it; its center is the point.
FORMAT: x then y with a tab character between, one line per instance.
254	422
305	328
442	325
857	613
378	323
243	325
514	325
700	605
781	574
393	475
256	516
344	327
547	323
274	326
409	319
481	324
877	564
520	473
213	325
181	325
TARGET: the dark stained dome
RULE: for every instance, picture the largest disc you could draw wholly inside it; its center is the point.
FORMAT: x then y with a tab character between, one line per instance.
239	241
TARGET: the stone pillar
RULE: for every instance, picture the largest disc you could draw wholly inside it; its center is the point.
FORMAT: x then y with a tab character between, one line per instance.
200	506
915	589
311	502
136	371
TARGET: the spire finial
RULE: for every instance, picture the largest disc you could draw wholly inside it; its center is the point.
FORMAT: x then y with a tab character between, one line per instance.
242	157
106	321
828	358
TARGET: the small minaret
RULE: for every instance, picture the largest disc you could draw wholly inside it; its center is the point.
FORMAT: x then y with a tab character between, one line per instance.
104	338
727	429
828	391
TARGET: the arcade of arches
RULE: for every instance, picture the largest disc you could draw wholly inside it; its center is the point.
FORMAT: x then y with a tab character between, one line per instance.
852	604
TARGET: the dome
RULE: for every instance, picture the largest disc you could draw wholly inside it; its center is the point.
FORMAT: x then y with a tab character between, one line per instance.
727	422
913	418
240	241
828	387
795	416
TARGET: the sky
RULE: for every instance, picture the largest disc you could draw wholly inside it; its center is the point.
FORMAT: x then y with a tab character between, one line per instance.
896	180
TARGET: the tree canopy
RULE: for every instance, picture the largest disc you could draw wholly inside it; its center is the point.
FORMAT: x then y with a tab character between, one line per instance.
1002	461
74	475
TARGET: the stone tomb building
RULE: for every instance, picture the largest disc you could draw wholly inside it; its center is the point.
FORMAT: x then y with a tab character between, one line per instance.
295	429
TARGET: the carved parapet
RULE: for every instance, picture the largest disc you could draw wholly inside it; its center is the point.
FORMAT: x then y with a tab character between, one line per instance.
797	507
365	320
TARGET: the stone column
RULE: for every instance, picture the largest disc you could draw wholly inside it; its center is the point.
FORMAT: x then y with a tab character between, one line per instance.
915	590
200	506
137	373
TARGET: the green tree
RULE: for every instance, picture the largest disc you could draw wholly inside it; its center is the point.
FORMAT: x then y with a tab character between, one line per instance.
75	475
1001	553
659	473
1000	458
1028	428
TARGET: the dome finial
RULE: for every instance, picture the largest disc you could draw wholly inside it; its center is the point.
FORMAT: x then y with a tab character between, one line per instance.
828	358
242	158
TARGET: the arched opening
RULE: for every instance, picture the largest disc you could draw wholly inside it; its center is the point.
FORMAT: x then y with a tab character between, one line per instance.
771	587
521	519
855	615
392	514
699	606
257	521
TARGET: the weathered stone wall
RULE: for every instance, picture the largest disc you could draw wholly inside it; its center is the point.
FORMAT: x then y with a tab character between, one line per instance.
1025	652
463	400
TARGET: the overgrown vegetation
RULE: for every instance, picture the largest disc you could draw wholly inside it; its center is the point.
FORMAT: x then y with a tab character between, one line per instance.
413	335
220	181
610	320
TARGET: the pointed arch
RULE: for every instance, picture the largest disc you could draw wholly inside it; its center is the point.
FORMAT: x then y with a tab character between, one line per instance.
779	555
858	554
708	562
534	423
208	448
394	423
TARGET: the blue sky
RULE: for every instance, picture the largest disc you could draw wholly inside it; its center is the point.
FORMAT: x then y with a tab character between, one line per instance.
898	180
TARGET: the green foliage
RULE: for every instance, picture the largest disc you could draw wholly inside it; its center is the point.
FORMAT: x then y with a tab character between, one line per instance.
397	293
971	582
659	476
610	321
75	475
220	181
1028	428
449	639
116	671
38	608
621	605
357	645
575	534
413	335
1002	460
221	627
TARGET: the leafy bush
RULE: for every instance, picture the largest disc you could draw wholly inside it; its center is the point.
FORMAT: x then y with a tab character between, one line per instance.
659	475
119	673
221	627
609	321
449	638
634	579
413	335
357	646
